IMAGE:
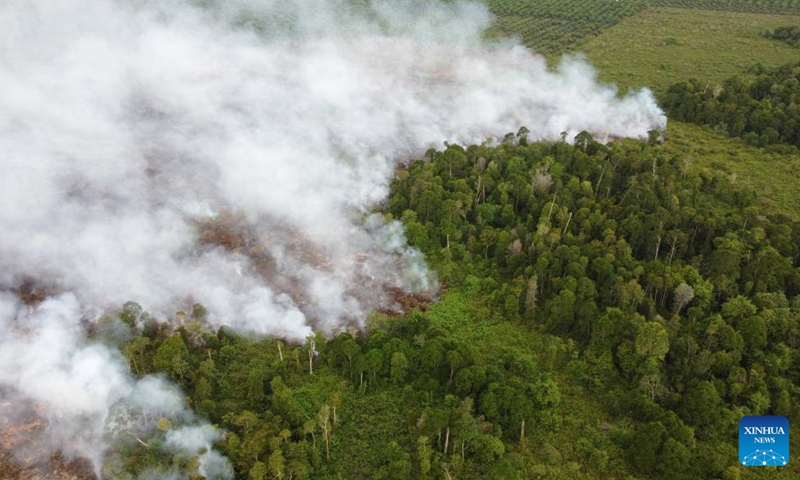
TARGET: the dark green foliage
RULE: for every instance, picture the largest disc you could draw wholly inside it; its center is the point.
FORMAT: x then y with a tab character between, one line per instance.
608	313
790	35
668	304
761	110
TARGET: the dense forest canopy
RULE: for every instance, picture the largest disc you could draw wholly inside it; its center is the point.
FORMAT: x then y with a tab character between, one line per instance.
661	296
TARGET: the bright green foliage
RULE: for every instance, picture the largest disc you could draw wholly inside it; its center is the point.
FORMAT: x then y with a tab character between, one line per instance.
172	357
258	472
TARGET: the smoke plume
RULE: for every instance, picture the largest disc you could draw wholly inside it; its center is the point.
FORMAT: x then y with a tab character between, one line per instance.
230	153
88	395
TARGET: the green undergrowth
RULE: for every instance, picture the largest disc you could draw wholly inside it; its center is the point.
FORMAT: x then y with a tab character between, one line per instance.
771	175
661	46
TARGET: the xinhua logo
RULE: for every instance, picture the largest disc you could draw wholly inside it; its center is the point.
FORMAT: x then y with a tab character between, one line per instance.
764	441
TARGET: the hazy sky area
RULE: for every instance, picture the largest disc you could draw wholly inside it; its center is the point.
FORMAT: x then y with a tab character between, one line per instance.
124	123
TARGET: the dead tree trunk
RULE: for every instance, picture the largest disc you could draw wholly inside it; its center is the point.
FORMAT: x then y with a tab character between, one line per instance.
567	225
311	350
672	244
658	242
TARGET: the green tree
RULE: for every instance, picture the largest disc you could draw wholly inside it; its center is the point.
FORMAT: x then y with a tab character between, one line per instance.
373	362
172	357
256	379
277	465
284	403
652	345
753	330
259	471
202	390
399	367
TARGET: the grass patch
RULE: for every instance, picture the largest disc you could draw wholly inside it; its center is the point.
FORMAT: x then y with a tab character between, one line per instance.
751	6
771	175
660	46
466	319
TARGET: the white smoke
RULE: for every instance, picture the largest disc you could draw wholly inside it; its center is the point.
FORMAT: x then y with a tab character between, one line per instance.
125	123
199	439
122	121
88	395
